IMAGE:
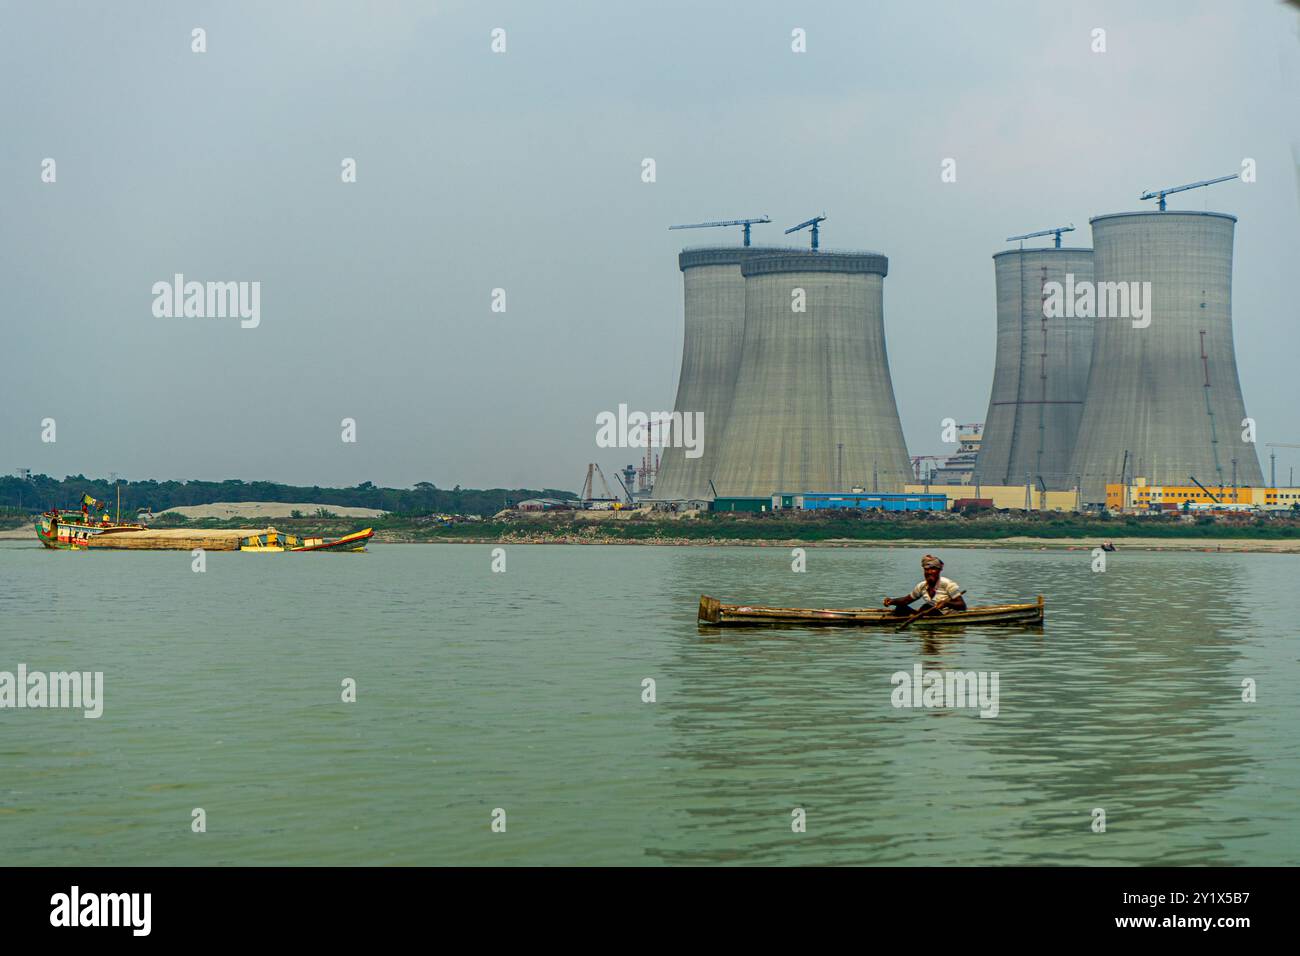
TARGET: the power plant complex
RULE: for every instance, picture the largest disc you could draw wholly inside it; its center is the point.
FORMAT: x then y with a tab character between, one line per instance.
1114	366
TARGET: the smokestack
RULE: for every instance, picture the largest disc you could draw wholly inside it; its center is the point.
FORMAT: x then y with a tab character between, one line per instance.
1040	375
1167	393
813	406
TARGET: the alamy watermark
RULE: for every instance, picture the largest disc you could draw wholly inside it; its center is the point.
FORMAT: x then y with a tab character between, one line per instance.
208	300
75	690
946	689
626	429
1098	300
75	908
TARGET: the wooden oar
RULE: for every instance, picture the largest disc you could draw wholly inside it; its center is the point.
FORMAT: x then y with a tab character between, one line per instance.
929	610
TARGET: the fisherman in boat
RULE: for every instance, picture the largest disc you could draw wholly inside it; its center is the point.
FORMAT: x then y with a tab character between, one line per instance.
931	591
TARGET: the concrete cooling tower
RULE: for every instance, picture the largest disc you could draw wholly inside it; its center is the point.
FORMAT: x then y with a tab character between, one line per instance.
1164	402
715	325
1040	374
813	407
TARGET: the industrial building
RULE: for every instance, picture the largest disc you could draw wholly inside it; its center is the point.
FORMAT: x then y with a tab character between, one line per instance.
959	467
748	503
1027	497
1140	496
828	501
915	501
546	504
1163	397
813	405
1040	374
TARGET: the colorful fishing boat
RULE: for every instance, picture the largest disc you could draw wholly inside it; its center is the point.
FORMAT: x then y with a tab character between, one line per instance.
272	540
72	530
714	613
349	542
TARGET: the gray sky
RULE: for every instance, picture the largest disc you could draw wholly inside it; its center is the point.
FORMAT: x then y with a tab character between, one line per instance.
522	171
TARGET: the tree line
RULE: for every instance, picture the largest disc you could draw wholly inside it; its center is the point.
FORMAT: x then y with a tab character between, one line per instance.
41	492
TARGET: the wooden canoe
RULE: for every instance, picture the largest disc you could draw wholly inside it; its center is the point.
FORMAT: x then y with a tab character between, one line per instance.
713	613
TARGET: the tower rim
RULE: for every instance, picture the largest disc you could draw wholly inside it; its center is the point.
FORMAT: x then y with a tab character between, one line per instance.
1167	214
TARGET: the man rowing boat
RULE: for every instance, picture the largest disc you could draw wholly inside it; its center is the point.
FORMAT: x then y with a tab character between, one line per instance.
933	590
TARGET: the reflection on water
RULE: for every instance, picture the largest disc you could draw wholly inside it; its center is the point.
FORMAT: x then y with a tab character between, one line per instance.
523	691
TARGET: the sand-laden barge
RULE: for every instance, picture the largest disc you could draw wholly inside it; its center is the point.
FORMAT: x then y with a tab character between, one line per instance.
77	530
174	539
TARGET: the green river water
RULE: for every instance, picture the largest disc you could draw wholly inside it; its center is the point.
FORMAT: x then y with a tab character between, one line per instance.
522	691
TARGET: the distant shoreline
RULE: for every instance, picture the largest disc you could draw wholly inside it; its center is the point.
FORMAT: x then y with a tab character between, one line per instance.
1189	545
1223	545
1074	533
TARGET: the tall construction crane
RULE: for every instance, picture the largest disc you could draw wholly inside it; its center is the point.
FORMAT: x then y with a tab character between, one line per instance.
648	473
1160	194
1055	231
746	223
1272	459
587	489
813	222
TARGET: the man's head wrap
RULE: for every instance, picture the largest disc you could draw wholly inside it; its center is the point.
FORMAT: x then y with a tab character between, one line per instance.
930	561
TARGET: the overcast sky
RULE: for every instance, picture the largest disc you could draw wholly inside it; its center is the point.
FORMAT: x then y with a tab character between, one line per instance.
522	170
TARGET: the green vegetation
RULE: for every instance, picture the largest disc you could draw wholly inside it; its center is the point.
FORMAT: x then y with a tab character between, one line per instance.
42	492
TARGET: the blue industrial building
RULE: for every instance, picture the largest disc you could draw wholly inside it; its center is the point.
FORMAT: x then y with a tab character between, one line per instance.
869	501
826	500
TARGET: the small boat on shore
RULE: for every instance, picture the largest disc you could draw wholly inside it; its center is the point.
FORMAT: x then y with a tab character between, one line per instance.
272	540
714	613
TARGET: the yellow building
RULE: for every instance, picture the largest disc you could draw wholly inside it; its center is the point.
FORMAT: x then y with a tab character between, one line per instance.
1141	496
1003	496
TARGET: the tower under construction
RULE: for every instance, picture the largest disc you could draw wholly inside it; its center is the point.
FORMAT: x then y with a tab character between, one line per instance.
1163	399
813	405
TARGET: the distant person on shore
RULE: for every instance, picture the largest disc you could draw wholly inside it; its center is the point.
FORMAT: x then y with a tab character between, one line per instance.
931	591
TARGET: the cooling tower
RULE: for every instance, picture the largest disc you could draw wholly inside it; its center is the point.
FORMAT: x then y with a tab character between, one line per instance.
813	408
715	324
1164	402
1040	374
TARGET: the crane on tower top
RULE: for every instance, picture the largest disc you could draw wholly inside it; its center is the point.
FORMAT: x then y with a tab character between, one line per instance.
1055	231
1160	194
746	223
813	222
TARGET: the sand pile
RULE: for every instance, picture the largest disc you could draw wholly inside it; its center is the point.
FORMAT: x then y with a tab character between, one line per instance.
172	539
267	509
